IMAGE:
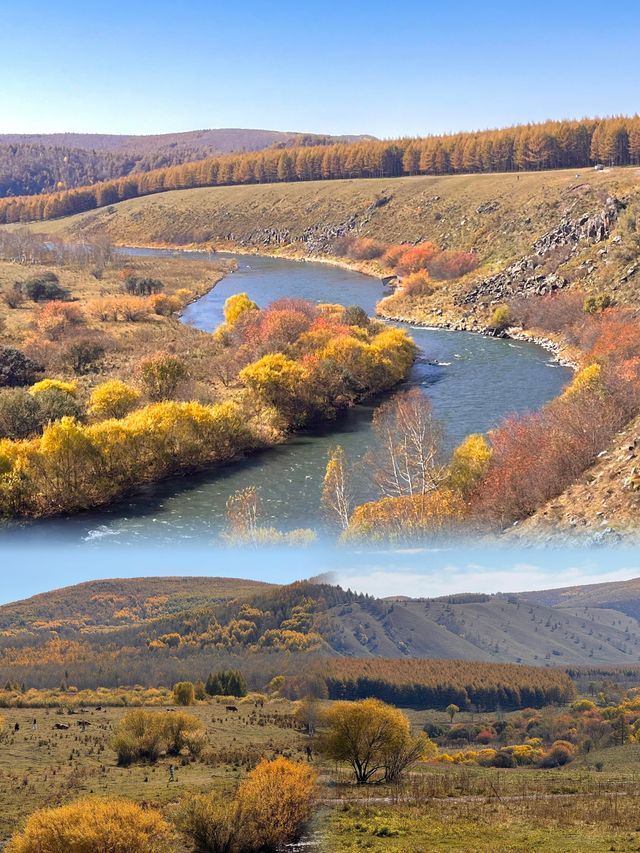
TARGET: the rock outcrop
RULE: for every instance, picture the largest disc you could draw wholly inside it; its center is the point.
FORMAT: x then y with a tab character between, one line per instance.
525	278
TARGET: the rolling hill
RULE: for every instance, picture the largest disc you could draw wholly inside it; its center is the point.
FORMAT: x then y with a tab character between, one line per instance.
150	631
31	164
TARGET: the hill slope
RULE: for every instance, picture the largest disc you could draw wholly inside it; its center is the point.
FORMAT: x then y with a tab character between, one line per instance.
499	215
31	164
214	141
122	601
153	630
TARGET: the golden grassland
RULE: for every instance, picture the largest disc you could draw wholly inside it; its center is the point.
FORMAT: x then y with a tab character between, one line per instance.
459	809
130	340
49	766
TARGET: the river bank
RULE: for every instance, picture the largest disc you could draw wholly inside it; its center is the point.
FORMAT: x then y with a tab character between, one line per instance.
561	351
472	381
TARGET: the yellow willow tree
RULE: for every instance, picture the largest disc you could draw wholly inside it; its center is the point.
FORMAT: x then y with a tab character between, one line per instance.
374	738
69	463
336	497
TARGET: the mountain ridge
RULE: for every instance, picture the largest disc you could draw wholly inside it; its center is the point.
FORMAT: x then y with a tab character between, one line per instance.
574	626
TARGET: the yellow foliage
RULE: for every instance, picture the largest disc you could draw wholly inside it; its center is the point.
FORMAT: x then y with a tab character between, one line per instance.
46	384
92	824
142	734
164	305
372	737
73	466
278	798
407	517
469	462
113	399
587	379
236	305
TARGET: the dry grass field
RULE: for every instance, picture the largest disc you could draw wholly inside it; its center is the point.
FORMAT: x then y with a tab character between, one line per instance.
50	765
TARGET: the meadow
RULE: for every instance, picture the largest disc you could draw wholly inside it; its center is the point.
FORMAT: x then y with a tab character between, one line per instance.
590	804
68	755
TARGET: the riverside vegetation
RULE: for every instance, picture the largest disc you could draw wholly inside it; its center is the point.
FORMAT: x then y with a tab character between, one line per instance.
548	255
74	441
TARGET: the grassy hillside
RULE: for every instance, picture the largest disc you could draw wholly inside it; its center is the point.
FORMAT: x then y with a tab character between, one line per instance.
499	215
123	601
154	631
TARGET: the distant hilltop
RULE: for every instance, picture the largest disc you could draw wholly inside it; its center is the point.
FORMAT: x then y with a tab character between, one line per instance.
34	163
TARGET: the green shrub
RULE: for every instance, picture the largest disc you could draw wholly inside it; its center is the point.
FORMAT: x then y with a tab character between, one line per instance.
44	288
501	318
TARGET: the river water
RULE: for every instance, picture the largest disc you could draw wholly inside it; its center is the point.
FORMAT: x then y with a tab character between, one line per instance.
471	381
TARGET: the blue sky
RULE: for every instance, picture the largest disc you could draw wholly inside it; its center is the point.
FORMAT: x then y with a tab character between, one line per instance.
415	572
363	67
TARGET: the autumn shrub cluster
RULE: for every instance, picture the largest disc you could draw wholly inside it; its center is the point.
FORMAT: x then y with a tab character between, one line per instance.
408	260
269	810
72	466
428	258
307	362
519	755
536	456
91	824
143	735
547	738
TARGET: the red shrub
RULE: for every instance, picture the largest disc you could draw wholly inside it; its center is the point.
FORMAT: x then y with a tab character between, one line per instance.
416	258
537	456
450	265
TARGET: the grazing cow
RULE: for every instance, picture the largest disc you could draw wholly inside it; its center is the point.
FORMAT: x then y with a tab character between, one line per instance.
231	708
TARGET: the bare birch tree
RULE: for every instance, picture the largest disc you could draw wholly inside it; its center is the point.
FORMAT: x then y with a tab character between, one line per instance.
407	457
336	496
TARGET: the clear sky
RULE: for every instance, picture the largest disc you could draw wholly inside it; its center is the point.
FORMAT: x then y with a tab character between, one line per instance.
355	66
416	572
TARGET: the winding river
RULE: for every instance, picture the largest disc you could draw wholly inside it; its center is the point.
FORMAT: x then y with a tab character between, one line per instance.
472	382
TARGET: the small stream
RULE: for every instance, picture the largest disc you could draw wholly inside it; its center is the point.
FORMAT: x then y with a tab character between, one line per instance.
472	382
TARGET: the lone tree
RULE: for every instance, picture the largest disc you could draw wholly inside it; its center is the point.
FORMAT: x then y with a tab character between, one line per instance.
452	710
374	738
336	495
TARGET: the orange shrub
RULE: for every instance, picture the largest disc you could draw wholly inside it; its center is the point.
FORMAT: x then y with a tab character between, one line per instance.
450	265
393	254
418	284
416	258
55	319
164	305
278	797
